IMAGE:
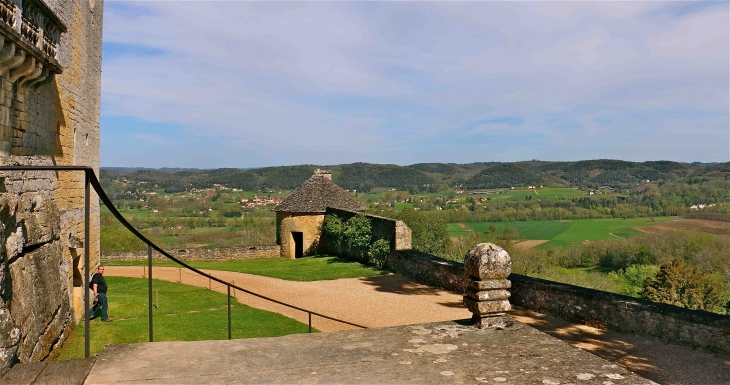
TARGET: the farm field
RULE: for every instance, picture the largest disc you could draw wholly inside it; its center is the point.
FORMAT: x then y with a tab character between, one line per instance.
543	193
713	227
564	233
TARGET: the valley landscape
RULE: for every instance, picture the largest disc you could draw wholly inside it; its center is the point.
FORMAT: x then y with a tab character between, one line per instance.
603	224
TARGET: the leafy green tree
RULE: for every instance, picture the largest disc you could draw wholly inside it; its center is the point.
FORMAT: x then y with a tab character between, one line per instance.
683	285
492	231
118	238
510	233
428	233
630	281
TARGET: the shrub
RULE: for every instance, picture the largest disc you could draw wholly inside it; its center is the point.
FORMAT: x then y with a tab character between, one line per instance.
683	285
379	252
333	229
358	235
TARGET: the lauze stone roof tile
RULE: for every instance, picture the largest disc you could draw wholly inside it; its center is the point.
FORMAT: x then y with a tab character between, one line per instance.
316	194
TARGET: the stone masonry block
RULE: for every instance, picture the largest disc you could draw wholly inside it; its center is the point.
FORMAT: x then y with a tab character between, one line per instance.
488	295
487	308
487	261
488	284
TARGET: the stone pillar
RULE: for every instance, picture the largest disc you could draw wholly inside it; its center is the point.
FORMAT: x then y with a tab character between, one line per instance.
487	267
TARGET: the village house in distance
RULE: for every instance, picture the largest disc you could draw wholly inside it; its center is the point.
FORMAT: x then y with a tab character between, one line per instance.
299	216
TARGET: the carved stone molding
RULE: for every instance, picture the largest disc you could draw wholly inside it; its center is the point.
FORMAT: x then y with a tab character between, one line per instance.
30	34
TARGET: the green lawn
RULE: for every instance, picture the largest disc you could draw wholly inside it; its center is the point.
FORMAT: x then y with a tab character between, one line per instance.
564	233
314	268
185	313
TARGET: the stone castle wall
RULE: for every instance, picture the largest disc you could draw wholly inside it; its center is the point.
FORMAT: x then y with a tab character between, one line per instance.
197	254
597	308
394	231
54	122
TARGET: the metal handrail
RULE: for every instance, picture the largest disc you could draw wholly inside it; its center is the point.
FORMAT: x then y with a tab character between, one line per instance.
91	179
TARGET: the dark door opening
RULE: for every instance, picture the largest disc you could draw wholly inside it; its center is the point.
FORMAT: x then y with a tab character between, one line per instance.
298	244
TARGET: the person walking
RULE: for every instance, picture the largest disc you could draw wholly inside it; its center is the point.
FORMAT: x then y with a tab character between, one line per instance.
98	285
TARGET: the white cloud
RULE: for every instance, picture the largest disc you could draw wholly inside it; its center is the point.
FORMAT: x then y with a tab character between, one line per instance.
381	81
701	39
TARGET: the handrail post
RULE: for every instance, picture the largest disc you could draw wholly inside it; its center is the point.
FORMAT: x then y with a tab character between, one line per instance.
149	287
87	332
229	311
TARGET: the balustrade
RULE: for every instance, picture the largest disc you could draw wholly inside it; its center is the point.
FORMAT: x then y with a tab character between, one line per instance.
30	34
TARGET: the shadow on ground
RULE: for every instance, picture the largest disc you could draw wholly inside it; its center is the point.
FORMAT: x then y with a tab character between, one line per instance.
650	358
396	283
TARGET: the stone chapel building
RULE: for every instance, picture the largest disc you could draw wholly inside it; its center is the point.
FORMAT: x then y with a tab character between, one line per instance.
300	215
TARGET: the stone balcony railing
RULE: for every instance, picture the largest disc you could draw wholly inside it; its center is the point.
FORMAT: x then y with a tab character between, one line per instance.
29	38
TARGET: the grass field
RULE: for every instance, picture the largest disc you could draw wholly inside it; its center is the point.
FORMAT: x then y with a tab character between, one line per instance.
564	233
400	206
527	229
543	193
557	193
455	230
314	268
185	313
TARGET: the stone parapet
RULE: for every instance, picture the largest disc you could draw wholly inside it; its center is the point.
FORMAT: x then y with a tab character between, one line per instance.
674	324
197	254
428	269
695	328
396	232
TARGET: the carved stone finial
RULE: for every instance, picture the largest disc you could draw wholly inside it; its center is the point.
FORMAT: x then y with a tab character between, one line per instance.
487	267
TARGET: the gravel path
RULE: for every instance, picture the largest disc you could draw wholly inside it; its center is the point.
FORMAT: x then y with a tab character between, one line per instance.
393	299
386	300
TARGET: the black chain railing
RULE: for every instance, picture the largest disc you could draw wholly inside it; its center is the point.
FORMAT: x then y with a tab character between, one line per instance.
91	180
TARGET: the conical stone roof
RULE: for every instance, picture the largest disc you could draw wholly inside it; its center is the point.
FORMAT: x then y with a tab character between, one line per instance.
316	194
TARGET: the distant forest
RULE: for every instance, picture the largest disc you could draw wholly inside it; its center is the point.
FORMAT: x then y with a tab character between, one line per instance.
432	177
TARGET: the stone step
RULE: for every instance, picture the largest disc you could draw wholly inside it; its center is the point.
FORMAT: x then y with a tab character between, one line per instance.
71	372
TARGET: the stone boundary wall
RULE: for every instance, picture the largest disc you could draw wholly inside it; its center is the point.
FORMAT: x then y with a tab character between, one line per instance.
394	231
577	304
428	269
197	254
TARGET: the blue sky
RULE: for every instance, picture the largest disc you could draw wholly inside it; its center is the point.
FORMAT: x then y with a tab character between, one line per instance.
211	84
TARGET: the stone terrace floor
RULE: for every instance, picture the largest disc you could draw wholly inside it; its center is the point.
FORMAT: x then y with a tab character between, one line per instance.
436	353
648	357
